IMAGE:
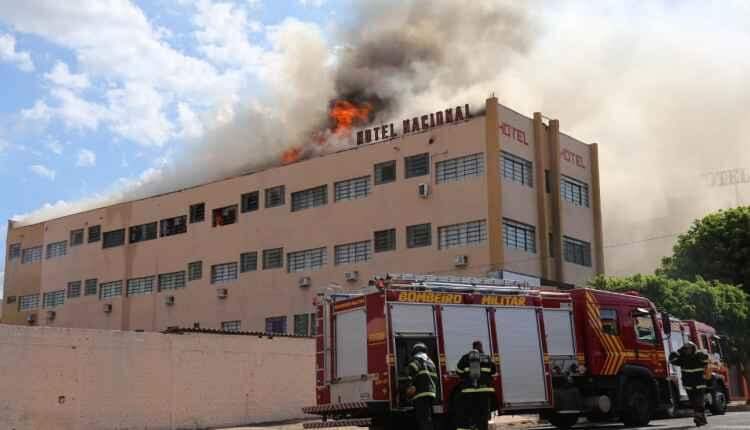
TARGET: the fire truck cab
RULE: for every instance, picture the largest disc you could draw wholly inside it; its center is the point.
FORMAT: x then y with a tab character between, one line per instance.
622	368
365	338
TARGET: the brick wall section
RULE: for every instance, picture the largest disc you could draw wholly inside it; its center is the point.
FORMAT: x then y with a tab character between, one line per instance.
76	379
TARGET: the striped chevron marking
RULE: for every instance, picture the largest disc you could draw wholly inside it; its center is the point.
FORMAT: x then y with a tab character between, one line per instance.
614	350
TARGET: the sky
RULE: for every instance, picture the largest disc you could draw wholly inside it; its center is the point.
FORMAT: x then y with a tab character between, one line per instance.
97	92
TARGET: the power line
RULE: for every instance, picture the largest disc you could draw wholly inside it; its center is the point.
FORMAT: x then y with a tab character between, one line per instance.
648	239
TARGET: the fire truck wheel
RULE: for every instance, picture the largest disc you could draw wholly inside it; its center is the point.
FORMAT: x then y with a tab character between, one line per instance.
637	410
718	401
562	421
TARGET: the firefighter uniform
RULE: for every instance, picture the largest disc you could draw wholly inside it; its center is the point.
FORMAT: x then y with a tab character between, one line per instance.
422	378
693	364
476	370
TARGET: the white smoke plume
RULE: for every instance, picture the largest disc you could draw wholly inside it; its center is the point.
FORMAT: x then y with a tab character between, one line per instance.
660	85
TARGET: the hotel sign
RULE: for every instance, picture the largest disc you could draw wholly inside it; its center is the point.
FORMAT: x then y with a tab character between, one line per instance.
413	125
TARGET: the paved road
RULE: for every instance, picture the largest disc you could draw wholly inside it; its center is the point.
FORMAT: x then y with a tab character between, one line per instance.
730	421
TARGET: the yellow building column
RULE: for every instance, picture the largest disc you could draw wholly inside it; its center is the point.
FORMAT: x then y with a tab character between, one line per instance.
597	208
540	142
494	185
553	137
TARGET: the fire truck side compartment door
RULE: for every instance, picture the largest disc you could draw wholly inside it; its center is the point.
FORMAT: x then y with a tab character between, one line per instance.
461	326
558	324
412	319
521	359
351	344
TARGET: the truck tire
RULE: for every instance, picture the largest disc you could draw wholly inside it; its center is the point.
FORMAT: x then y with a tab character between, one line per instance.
718	401
562	421
637	404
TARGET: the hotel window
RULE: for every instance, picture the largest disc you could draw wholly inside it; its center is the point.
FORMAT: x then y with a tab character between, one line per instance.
302	324
385	240
53	298
385	172
356	252
417	165
172	281
172	226
250	201
275	196
463	234
574	191
95	233
76	237
224	216
31	255
74	289
577	251
225	272
89	287
273	258
197	213
310	198
276	325
57	249
29	302
248	262
143	285
419	235
142	232
307	260
113	238
195	270
457	169
14	251
519	236
517	169
231	325
110	289
352	189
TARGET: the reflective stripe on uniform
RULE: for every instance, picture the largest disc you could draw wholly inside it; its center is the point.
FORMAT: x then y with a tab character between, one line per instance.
478	390
427	372
696	370
414	365
486	369
697	387
425	394
462	370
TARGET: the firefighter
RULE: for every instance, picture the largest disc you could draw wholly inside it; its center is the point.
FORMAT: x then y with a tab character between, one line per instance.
476	369
693	365
422	383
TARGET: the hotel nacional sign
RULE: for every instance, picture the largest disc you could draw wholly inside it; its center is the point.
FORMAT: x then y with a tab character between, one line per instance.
413	125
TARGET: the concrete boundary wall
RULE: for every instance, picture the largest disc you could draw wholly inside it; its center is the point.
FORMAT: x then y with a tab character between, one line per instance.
75	379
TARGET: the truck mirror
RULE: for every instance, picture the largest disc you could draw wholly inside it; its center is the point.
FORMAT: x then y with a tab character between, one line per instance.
666	322
640	312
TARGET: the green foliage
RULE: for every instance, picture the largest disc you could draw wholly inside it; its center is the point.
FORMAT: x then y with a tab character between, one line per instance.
716	247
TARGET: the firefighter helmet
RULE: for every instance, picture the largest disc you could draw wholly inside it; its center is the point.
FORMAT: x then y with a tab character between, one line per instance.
418	347
690	344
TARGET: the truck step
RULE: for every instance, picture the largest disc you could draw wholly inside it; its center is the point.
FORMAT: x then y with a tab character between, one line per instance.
355	422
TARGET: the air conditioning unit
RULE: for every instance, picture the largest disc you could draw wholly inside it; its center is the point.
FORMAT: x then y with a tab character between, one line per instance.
461	260
107	308
169	300
51	315
424	190
305	281
222	293
31	318
351	276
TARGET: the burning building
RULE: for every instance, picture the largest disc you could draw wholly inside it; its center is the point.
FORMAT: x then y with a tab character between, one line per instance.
463	190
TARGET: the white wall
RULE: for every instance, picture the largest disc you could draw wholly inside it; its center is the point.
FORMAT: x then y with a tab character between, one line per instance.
57	378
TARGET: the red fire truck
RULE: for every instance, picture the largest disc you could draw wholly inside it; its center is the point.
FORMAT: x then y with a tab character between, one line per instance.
560	354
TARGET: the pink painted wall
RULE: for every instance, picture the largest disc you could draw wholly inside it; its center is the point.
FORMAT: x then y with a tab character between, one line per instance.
78	379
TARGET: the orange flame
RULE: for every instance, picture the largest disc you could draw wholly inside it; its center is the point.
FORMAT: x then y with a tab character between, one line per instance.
291	155
345	114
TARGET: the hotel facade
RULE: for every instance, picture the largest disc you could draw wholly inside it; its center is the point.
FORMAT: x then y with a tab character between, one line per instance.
497	194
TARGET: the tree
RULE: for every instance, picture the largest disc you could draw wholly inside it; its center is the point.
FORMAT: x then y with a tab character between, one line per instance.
716	247
723	306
